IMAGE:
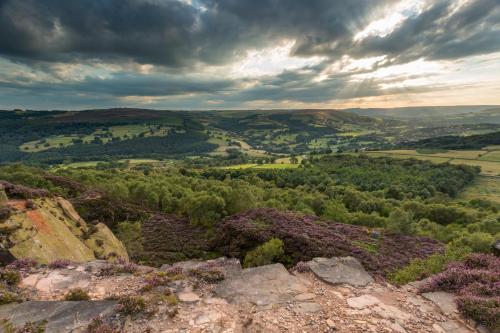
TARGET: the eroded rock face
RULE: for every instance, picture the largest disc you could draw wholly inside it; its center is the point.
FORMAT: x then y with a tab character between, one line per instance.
265	285
62	317
346	270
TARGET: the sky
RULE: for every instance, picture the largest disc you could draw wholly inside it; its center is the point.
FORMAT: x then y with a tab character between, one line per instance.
248	54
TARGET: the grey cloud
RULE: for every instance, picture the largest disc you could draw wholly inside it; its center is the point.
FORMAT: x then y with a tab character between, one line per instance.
126	84
439	33
171	32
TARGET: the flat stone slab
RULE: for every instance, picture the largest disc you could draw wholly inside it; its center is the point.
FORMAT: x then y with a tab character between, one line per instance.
346	270
264	285
309	307
57	280
445	301
62	316
362	301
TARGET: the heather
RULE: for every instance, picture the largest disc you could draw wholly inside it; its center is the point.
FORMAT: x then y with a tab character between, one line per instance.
305	237
476	282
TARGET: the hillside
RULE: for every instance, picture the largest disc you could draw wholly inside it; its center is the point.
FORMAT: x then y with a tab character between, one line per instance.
397	221
57	136
453	114
45	228
457	142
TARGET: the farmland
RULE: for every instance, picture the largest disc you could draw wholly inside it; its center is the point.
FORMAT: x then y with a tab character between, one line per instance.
262	166
487	160
487	188
104	135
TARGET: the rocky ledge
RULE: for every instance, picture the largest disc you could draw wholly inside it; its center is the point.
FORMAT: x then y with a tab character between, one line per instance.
324	295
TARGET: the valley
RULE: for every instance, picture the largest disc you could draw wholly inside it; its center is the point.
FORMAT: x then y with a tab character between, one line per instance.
128	194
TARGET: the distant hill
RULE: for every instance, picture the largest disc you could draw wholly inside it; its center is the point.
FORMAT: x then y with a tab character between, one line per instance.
453	114
124	133
55	137
457	142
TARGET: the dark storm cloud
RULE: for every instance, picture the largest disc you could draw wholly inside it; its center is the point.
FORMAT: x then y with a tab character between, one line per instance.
126	84
174	33
180	37
171	32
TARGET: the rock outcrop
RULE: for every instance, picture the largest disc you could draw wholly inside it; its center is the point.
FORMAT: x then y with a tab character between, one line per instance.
345	270
264	285
46	228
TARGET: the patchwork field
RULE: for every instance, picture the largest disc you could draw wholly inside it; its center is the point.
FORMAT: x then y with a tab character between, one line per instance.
263	166
131	163
488	160
491	156
104	135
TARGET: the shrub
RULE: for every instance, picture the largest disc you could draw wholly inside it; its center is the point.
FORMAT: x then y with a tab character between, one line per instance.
478	241
302	267
24	264
98	325
119	267
154	280
476	280
171	299
29	327
306	237
210	275
7	296
400	222
420	269
264	254
59	263
77	294
10	277
131	305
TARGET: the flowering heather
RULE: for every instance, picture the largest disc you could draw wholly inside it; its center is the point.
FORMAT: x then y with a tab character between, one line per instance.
301	267
154	280
476	281
24	264
306	237
59	263
23	192
169	238
119	267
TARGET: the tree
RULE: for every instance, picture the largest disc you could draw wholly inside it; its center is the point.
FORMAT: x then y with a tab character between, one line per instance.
401	222
203	208
240	198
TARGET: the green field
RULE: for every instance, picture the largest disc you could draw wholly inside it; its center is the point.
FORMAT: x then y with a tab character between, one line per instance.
131	163
262	166
491	156
483	188
105	135
489	161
